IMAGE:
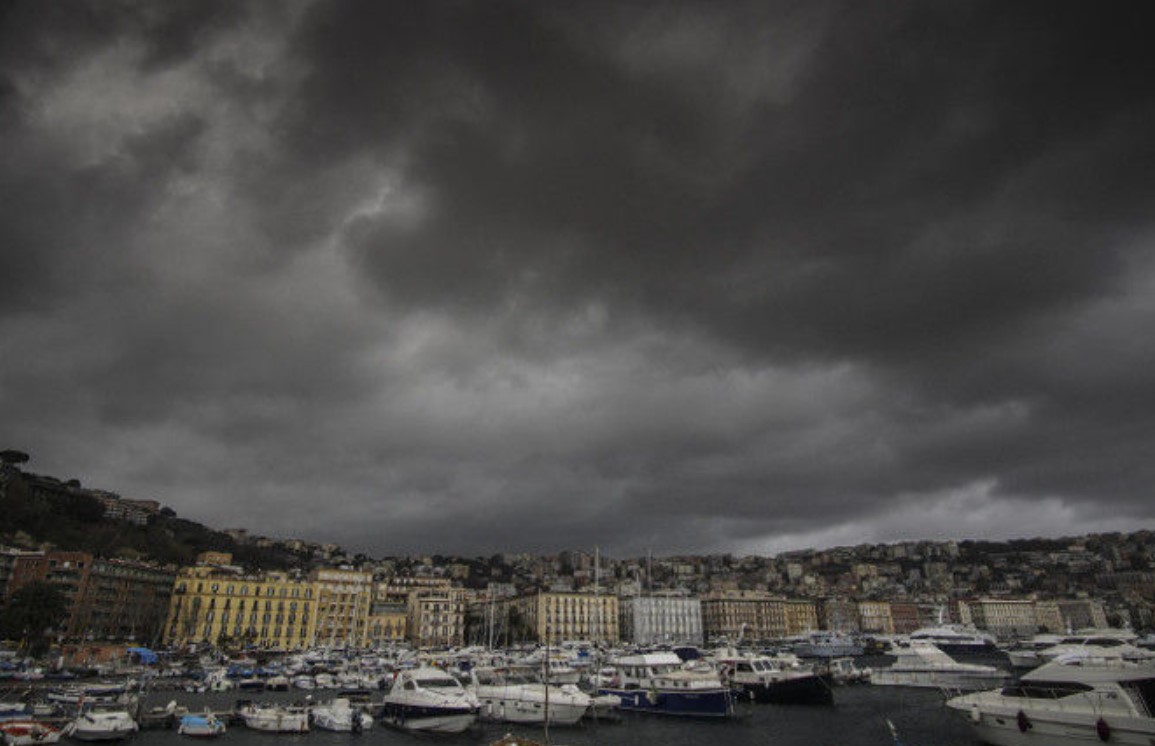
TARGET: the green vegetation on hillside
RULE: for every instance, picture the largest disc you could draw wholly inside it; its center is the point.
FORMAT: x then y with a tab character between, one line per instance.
74	521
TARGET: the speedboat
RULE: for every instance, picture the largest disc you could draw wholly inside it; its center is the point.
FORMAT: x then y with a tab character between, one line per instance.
510	695
206	725
1079	701
660	683
924	665
102	723
28	733
428	699
761	678
273	718
340	715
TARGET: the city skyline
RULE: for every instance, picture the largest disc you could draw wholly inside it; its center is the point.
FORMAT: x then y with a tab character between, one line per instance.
508	276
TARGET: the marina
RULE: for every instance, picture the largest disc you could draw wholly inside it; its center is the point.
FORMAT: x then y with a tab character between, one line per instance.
858	718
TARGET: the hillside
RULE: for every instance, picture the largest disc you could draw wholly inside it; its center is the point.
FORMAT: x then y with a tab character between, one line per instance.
72	519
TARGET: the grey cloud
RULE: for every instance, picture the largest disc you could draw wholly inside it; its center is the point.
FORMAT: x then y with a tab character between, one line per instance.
502	275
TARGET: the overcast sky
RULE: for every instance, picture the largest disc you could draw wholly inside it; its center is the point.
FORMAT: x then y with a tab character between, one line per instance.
471	277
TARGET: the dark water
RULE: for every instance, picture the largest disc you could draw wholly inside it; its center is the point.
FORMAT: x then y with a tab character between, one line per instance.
857	718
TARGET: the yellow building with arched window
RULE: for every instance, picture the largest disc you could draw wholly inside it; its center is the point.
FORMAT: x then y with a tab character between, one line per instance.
218	605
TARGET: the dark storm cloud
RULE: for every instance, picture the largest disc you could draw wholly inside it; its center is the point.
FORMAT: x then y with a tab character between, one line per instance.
485	276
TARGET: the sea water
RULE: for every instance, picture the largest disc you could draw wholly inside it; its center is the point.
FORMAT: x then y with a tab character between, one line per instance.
858	717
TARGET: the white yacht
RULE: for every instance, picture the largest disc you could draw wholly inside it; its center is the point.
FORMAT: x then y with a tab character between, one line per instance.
924	665
273	718
1025	653
761	678
102	723
826	644
956	639
1066	703
428	699
340	715
1097	644
510	695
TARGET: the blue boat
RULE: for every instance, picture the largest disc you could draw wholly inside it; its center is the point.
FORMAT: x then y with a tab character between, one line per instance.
661	683
207	725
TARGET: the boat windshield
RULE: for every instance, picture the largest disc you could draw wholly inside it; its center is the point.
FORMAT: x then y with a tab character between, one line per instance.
1046	689
438	683
1142	693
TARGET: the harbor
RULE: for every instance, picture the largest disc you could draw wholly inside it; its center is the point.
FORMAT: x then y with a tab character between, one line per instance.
858	718
478	696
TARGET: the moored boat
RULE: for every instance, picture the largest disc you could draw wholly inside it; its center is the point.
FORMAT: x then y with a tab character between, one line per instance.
1066	703
340	715
28	733
513	695
206	725
762	679
924	665
660	683
274	718
102	723
428	699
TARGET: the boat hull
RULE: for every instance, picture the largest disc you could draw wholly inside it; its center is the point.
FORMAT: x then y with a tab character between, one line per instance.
938	680
712	703
803	690
1002	729
28	733
528	712
428	719
102	734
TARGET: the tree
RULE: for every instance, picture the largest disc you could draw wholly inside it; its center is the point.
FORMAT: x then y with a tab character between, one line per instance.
32	613
10	456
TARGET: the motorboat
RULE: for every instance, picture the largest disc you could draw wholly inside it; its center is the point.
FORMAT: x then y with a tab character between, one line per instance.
273	718
428	699
28	733
761	678
661	683
844	671
957	639
340	715
1025	653
925	665
1079	701
95	693
514	695
102	722
1097	644
826	644
206	725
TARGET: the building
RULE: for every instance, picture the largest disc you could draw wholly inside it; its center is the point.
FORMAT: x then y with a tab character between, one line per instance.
661	619
906	617
344	602
388	620
107	599
874	617
1082	613
801	616
840	615
556	616
219	605
435	617
747	615
116	508
1003	617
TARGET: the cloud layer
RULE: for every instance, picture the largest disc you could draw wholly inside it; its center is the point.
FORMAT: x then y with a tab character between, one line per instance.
476	277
